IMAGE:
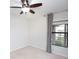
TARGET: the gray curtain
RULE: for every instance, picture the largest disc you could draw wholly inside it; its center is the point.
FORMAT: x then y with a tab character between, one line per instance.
49	31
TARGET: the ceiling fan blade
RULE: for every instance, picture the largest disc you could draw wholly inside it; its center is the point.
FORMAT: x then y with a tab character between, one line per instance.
36	5
22	1
27	2
15	7
32	11
21	12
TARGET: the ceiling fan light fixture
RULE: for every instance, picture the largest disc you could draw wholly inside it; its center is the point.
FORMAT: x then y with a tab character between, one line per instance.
25	10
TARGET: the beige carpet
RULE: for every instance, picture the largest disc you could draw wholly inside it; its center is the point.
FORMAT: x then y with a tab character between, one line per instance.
33	53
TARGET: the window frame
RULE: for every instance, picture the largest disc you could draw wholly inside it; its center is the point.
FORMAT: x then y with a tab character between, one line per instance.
65	35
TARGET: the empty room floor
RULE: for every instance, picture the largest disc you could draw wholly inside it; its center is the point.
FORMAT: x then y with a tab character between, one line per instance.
33	53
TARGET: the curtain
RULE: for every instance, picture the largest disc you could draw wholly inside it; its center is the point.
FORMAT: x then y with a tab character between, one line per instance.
49	31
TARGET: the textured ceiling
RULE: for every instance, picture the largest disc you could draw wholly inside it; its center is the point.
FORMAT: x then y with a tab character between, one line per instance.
49	6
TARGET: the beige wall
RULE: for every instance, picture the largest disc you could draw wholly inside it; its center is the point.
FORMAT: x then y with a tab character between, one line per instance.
18	32
38	32
28	30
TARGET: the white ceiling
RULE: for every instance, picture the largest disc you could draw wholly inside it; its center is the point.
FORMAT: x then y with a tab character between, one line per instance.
49	6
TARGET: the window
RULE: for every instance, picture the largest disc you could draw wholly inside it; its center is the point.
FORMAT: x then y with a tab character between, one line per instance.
60	35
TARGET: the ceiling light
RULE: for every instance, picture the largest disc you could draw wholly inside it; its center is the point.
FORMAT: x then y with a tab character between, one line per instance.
25	9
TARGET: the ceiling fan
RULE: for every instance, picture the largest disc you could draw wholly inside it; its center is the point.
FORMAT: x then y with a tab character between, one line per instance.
26	7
